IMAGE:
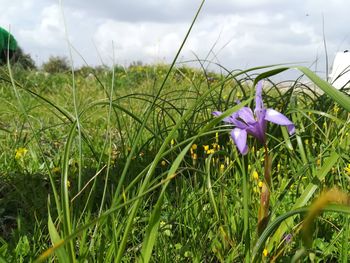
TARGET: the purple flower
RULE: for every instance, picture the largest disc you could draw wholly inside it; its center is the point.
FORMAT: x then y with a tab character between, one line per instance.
246	122
287	238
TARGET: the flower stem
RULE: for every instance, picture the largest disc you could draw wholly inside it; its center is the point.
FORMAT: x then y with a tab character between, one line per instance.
263	214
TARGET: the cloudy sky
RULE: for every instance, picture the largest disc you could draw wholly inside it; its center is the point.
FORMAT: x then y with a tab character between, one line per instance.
240	33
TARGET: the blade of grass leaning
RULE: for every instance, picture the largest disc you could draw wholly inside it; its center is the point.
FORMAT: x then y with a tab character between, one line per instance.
209	186
345	241
66	208
286	138
61	253
153	224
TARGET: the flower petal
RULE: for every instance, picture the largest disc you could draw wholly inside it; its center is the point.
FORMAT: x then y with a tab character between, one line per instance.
258	130
259	104
278	118
239	136
216	113
235	120
246	115
227	119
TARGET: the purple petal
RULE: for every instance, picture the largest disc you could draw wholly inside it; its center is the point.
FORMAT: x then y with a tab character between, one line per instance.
236	121
216	113
259	104
246	115
227	119
278	118
239	136
258	130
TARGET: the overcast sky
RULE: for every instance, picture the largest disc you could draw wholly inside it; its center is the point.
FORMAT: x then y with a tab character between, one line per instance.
241	33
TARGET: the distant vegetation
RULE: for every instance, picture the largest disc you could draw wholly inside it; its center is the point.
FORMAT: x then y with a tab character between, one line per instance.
56	65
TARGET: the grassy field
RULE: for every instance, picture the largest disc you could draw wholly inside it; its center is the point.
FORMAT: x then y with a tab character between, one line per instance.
131	165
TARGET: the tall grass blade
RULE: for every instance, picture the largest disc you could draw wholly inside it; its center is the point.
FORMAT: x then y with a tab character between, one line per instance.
66	208
55	239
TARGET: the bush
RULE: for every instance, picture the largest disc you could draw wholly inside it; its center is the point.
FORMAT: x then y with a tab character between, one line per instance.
56	64
24	60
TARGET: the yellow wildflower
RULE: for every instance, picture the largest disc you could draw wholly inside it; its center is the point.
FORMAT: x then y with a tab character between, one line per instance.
206	147
335	108
20	153
222	167
163	163
56	170
260	184
172	142
265	252
194	146
255	175
210	151
347	169
194	156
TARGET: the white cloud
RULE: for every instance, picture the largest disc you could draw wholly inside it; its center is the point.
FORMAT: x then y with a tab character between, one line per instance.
138	41
244	32
50	30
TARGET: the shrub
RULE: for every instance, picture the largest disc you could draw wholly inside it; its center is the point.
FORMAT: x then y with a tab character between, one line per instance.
56	64
24	60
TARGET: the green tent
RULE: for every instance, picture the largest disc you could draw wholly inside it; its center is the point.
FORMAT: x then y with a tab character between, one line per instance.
7	41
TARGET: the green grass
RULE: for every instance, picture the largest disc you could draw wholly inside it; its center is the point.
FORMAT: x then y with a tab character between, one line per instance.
130	165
